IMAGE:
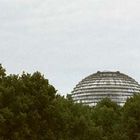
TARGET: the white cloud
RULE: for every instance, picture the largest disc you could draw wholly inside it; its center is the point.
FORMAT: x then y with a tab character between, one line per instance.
68	40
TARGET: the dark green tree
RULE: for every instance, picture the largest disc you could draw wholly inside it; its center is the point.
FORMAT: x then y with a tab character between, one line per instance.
26	104
30	109
131	118
107	116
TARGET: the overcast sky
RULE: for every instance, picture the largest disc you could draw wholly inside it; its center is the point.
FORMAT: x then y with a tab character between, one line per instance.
67	40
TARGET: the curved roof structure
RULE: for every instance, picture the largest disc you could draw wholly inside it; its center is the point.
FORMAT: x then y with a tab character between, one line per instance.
114	85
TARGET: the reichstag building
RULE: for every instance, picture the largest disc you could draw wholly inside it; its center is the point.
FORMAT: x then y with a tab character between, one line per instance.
114	85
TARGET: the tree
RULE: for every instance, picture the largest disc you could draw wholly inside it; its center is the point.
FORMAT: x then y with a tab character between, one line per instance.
106	115
26	104
30	109
131	117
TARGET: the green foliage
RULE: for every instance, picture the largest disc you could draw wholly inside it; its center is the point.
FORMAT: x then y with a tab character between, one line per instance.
30	109
26	102
131	118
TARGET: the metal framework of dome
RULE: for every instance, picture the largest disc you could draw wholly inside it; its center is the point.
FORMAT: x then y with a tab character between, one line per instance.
114	85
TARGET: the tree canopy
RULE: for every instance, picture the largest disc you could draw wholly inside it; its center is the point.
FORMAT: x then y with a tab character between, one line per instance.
30	109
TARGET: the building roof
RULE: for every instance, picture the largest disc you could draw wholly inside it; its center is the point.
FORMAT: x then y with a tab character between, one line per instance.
115	85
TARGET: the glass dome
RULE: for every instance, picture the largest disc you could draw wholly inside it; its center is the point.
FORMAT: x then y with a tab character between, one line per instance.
114	85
